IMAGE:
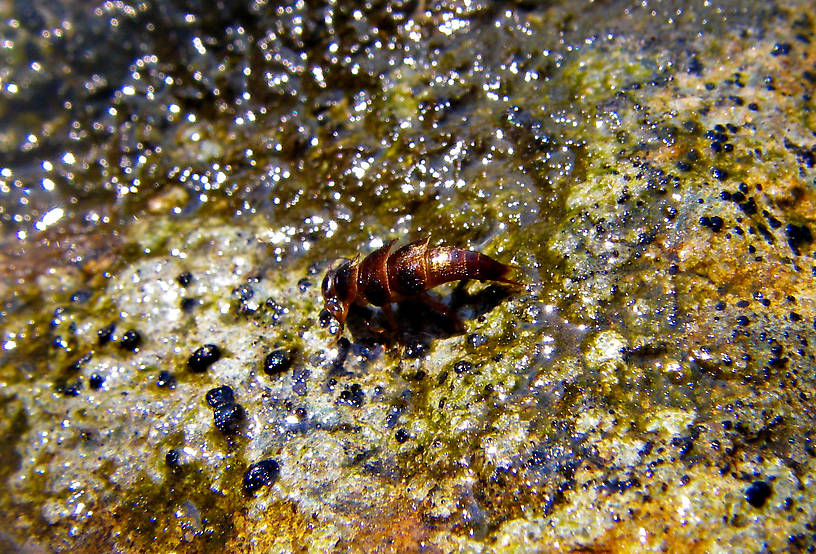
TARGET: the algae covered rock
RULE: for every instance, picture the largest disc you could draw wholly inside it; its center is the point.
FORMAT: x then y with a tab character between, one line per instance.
176	180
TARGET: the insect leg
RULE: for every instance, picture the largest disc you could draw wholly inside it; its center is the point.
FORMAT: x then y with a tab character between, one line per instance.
389	317
443	309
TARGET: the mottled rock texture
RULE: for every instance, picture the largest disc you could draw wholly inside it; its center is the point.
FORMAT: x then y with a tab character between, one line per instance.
176	177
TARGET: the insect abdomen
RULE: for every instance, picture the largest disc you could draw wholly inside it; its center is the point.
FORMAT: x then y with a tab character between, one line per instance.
407	273
415	268
373	282
445	264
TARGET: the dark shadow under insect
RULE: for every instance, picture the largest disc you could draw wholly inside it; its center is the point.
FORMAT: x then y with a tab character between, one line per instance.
418	323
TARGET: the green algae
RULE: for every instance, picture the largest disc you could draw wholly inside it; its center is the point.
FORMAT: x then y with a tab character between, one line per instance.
13	432
181	511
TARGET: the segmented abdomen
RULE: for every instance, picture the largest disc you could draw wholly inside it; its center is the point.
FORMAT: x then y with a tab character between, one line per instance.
447	264
415	268
372	280
406	269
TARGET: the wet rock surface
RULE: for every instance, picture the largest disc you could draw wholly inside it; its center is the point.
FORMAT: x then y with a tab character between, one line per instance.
173	182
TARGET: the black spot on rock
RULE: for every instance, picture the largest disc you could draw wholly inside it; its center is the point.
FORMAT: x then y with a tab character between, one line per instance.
797	235
476	340
276	362
172	458
260	474
684	446
717	134
220	396
203	358
104	335
166	379
401	436
758	493
130	340
184	279
748	207
228	418
714	223
621	485
781	49
719	173
772	221
766	234
462	366
416	349
353	396
95	381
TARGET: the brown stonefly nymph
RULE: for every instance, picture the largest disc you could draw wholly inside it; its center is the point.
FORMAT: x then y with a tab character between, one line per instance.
383	278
